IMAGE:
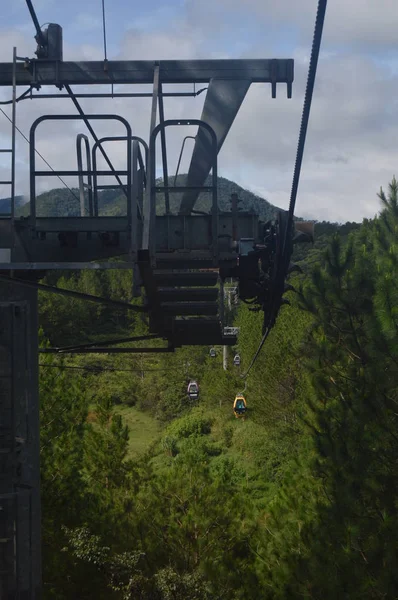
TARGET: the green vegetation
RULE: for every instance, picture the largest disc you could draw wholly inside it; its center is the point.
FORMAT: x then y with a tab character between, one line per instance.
62	202
149	496
143	429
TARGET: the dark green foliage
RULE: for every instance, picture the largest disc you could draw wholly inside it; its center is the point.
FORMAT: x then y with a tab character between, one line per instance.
120	570
297	501
352	417
68	321
192	424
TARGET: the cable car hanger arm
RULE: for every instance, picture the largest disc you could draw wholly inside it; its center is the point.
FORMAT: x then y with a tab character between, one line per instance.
51	72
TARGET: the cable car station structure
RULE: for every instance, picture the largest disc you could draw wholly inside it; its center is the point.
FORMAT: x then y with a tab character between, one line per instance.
179	260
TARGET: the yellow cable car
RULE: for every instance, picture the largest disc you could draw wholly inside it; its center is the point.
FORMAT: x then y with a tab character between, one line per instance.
240	406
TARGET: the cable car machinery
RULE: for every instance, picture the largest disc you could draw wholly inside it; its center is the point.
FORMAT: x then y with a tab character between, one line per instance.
179	259
160	248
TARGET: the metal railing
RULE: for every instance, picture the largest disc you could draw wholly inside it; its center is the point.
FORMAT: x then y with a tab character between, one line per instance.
149	235
80	172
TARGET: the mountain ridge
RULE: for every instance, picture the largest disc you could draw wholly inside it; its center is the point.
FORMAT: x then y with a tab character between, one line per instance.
63	202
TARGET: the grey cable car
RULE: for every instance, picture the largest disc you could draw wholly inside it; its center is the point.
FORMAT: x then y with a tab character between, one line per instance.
193	390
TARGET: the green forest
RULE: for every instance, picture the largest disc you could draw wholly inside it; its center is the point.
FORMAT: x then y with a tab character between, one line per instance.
148	495
61	202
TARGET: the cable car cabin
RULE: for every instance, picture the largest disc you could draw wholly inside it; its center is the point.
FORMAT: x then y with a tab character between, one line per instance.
236	360
240	406
193	390
212	352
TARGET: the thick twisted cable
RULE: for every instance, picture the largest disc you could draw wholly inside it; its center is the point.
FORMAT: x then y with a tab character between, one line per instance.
316	44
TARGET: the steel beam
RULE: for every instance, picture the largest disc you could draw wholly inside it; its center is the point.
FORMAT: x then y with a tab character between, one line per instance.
20	515
164	151
189	308
45	72
89	186
61	242
31	96
149	209
62	266
181	279
157	321
171	294
222	103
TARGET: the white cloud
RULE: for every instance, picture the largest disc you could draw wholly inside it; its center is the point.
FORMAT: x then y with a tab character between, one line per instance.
153	46
87	22
347	21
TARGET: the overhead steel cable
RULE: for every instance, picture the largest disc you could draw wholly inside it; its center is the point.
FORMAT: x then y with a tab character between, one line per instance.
40	37
117	304
104	28
257	353
316	44
101	350
91	130
40	155
135	338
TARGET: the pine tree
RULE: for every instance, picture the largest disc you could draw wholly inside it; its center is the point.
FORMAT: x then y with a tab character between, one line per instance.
348	550
104	470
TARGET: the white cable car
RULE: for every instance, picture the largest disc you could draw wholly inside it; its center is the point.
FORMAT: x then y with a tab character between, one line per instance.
193	390
236	360
212	352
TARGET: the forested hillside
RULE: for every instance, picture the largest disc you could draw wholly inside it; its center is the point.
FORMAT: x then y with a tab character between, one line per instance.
63	202
148	496
5	204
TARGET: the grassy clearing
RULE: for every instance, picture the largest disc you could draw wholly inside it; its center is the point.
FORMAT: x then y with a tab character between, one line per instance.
143	429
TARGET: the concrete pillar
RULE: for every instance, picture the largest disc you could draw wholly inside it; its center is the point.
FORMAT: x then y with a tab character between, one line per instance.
225	357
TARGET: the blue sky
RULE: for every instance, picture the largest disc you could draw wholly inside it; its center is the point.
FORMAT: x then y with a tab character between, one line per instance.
351	145
236	31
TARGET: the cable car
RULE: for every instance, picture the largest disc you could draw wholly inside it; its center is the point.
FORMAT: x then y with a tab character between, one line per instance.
236	360
240	406
193	390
